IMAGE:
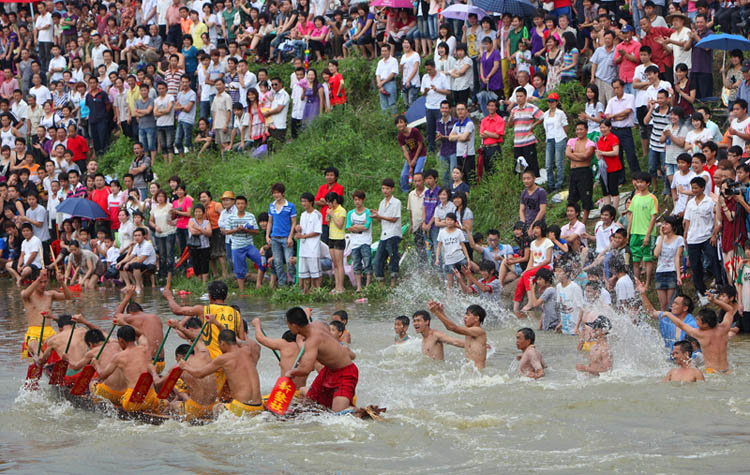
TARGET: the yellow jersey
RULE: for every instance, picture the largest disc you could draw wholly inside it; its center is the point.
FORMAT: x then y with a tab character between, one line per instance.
228	317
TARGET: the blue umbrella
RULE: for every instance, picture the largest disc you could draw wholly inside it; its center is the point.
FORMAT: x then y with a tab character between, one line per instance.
460	11
82	208
521	8
725	42
415	115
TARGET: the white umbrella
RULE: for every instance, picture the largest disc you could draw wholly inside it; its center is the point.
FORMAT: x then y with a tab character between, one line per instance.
460	11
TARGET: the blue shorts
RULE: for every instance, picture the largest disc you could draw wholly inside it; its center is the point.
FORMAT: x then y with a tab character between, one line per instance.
665	280
239	261
448	268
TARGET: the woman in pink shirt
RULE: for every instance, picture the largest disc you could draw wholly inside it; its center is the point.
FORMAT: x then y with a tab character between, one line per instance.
182	209
317	38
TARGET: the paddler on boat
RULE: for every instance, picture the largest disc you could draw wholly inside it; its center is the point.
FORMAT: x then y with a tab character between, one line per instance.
196	397
239	364
37	300
148	327
336	383
59	342
227	316
111	388
287	348
131	362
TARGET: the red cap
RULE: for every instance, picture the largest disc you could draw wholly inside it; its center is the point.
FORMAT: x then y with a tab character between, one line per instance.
553	97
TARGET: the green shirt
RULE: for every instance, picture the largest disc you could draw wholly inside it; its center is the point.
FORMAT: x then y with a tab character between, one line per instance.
514	38
642	207
229	22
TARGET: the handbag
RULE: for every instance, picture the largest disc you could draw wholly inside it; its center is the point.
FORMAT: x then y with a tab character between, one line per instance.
194	241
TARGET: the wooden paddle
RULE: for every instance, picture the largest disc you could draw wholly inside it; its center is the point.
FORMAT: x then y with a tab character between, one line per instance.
145	380
283	392
82	383
35	372
176	372
57	376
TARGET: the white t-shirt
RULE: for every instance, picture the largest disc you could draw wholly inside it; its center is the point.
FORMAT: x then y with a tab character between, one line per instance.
668	251
681	55
163	103
41	93
603	234
145	248
280	98
434	98
386	67
653	91
238	124
362	219
466	81
701	217
745	273
206	89
97	54
738	126
310	223
539	253
44	35
681	182
452	245
640	94
553	125
624	289
569	303
410	64
55	63
30	246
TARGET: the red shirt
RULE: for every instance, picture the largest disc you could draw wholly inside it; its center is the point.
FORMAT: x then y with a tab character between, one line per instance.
336	85
101	197
607	144
659	56
495	125
321	195
79	147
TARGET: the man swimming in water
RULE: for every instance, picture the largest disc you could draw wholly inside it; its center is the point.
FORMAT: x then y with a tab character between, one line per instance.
682	353
532	364
712	335
432	340
59	342
147	326
475	343
400	326
286	346
336	383
37	300
131	362
600	358
239	364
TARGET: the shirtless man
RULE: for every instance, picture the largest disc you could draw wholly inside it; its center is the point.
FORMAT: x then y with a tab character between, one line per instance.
475	343
336	383
37	300
682	355
239	363
286	346
147	326
111	388
532	364
432	340
199	398
600	359
131	362
58	343
712	335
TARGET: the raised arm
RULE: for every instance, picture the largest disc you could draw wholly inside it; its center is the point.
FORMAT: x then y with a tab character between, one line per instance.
193	311
437	309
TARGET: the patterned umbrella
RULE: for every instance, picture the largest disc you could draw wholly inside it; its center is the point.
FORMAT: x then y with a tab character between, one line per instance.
521	8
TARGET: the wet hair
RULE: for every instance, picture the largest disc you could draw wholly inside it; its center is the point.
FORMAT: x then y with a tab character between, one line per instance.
133	307
487	266
181	350
340	327
478	311
127	333
64	320
297	316
685	346
422	313
528	334
547	275
289	336
217	290
693	341
342	313
193	322
404	320
93	336
228	337
708	317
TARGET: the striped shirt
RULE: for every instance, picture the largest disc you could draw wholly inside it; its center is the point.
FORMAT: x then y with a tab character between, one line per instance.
240	240
172	78
523	118
659	122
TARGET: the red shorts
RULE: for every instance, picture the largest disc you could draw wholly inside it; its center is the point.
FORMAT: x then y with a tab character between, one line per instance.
330	384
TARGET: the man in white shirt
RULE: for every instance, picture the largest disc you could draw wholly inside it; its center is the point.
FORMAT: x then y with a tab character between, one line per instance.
738	127
164	113
415	207
308	234
44	33
279	109
699	230
149	12
39	91
389	215
385	80
141	259
20	110
97	52
621	111
436	87
29	262
36	215
57	65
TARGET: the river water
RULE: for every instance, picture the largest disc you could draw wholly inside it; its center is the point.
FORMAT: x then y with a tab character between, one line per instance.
443	417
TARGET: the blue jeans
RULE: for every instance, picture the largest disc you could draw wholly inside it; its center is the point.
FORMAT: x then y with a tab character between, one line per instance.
451	162
280	38
432	26
410	94
299	48
184	135
166	138
281	255
655	162
228	249
629	87
556	153
165	246
387	248
696	254
562	11
99	135
239	260
362	259
205	112
388	103
405	172
147	137
431	116
413	34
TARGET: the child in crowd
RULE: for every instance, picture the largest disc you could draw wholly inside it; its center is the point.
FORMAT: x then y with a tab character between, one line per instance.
450	243
343	317
600	358
643	207
547	299
624	289
488	287
512	267
570	301
400	326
